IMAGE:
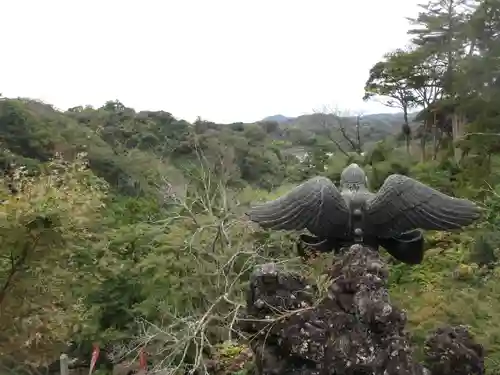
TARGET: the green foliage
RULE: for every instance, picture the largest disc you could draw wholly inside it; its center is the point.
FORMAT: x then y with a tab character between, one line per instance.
47	233
167	268
144	243
393	81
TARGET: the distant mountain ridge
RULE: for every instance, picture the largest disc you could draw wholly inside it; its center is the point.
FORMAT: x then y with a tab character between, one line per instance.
278	118
383	123
391	117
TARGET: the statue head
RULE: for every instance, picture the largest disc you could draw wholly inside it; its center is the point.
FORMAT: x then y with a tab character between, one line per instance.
353	177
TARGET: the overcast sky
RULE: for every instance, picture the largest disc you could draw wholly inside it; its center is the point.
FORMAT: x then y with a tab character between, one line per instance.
223	60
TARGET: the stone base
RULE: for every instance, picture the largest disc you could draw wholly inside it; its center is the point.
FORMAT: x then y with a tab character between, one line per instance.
352	329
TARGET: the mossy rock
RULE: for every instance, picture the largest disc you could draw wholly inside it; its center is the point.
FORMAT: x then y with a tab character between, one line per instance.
231	358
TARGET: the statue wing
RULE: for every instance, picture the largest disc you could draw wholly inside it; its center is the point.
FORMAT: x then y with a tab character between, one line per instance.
403	204
316	205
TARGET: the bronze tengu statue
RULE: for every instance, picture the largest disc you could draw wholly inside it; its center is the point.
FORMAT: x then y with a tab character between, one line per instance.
392	218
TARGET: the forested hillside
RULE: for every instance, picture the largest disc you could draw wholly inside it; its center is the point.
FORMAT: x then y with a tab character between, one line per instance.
120	142
126	228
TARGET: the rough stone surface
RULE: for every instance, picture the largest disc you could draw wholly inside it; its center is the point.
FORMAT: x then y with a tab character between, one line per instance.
352	329
452	350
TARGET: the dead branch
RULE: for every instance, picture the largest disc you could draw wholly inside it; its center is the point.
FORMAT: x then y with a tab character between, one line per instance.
482	134
340	126
325	125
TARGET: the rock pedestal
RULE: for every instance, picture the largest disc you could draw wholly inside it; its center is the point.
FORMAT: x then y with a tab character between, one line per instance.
351	327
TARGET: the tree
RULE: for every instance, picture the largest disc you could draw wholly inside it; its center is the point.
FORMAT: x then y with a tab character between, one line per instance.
390	82
442	36
441	31
345	138
46	252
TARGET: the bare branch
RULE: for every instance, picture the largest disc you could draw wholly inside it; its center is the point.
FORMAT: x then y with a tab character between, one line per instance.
332	119
483	134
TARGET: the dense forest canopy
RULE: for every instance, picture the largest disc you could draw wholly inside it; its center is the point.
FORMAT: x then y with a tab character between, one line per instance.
126	228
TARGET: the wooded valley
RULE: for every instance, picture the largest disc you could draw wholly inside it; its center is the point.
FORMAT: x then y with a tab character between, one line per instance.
127	228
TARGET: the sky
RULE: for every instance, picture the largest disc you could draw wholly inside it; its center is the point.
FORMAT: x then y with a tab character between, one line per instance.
223	60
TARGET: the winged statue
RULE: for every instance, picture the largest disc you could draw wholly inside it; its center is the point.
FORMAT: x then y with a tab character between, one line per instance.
393	218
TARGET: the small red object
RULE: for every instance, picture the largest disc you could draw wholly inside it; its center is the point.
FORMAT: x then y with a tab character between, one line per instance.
95	356
142	359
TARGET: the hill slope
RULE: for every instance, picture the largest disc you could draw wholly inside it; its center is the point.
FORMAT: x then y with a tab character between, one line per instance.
277	118
132	150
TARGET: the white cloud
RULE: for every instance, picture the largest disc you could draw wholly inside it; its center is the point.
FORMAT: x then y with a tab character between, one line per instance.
223	60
